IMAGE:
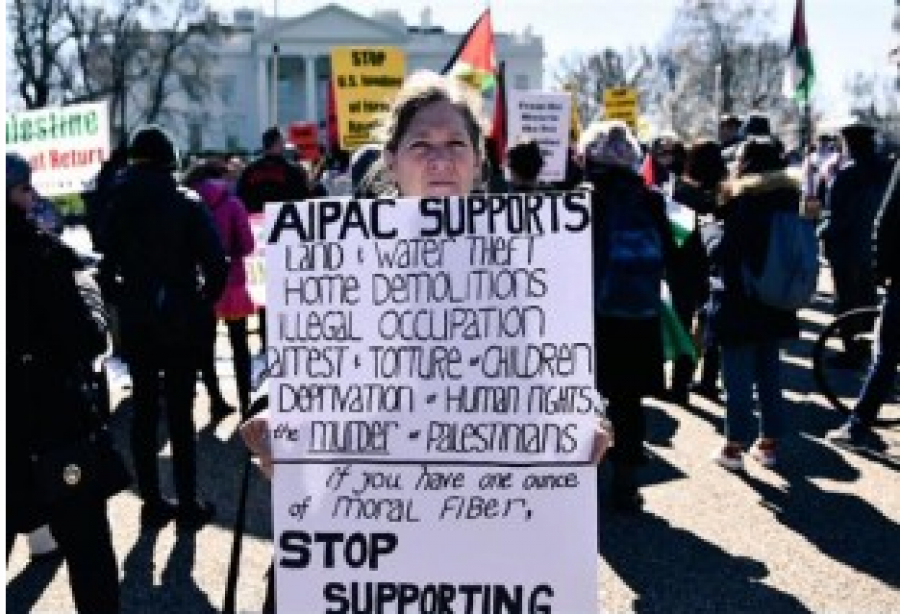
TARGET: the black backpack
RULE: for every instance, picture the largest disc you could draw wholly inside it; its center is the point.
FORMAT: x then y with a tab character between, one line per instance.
629	262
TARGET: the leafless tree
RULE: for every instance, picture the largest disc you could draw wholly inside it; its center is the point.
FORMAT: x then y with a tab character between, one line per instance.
37	38
717	56
720	57
589	75
176	59
135	53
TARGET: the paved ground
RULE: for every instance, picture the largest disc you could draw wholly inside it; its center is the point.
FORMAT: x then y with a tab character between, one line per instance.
820	534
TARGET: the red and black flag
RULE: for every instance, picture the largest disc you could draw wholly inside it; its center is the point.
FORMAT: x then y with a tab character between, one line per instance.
475	60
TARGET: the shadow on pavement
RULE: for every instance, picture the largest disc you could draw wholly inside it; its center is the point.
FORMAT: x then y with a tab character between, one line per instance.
842	526
661	563
219	464
23	591
177	591
665	564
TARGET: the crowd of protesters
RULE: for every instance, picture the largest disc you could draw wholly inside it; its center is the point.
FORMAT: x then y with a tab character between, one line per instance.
172	268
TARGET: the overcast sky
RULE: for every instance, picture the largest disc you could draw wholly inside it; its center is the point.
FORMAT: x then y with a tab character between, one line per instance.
845	35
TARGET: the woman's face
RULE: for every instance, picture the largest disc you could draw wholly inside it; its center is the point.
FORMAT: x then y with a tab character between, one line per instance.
435	156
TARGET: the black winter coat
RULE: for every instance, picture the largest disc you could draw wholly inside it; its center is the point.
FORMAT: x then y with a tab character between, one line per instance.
734	317
853	203
271	178
629	351
160	236
50	337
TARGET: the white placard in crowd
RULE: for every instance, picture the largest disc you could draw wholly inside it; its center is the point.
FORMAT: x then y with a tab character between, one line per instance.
65	146
544	117
432	404
255	263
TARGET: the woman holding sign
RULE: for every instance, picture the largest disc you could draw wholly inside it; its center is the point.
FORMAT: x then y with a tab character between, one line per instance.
433	148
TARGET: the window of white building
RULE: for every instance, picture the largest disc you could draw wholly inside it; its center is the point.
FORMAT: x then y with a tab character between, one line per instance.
226	86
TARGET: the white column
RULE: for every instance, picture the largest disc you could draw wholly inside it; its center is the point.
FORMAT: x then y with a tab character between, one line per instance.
263	109
311	111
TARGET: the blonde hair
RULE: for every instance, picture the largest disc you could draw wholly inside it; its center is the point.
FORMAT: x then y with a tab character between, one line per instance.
423	88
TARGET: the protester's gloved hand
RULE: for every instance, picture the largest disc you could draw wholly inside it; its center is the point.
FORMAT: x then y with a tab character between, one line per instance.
603	440
255	433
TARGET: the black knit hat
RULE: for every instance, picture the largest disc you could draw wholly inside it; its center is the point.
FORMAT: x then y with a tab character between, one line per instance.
855	125
18	171
152	145
756	124
525	159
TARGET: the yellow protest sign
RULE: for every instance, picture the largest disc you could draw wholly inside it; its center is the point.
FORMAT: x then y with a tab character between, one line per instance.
365	80
575	118
621	103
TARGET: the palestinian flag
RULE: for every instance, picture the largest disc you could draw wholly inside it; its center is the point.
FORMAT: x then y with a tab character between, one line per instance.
475	60
799	73
682	220
676	340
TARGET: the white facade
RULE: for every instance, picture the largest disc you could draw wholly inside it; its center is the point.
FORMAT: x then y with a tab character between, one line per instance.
241	106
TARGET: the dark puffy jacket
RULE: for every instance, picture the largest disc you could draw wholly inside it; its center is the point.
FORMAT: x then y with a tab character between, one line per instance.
734	317
887	232
159	236
853	203
271	179
51	336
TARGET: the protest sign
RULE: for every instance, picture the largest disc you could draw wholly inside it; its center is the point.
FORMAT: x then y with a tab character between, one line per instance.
305	137
546	118
365	80
432	404
255	263
65	146
621	103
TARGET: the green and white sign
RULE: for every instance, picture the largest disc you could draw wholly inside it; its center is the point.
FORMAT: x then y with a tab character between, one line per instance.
64	145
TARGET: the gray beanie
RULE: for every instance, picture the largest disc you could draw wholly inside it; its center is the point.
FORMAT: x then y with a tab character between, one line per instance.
17	171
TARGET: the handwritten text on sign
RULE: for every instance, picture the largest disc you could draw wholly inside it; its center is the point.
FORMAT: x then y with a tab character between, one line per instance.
432	404
365	80
64	146
545	118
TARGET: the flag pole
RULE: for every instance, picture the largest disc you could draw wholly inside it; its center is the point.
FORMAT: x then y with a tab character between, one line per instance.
275	51
805	126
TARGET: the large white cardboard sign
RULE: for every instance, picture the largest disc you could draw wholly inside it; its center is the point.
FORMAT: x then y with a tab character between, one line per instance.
544	117
432	404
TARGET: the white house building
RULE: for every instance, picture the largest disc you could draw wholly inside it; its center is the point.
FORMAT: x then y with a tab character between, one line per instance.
243	101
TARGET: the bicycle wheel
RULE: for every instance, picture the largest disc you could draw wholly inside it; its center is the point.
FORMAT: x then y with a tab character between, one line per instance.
840	378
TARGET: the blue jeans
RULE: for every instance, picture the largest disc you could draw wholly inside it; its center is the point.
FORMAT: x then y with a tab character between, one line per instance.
742	367
887	354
